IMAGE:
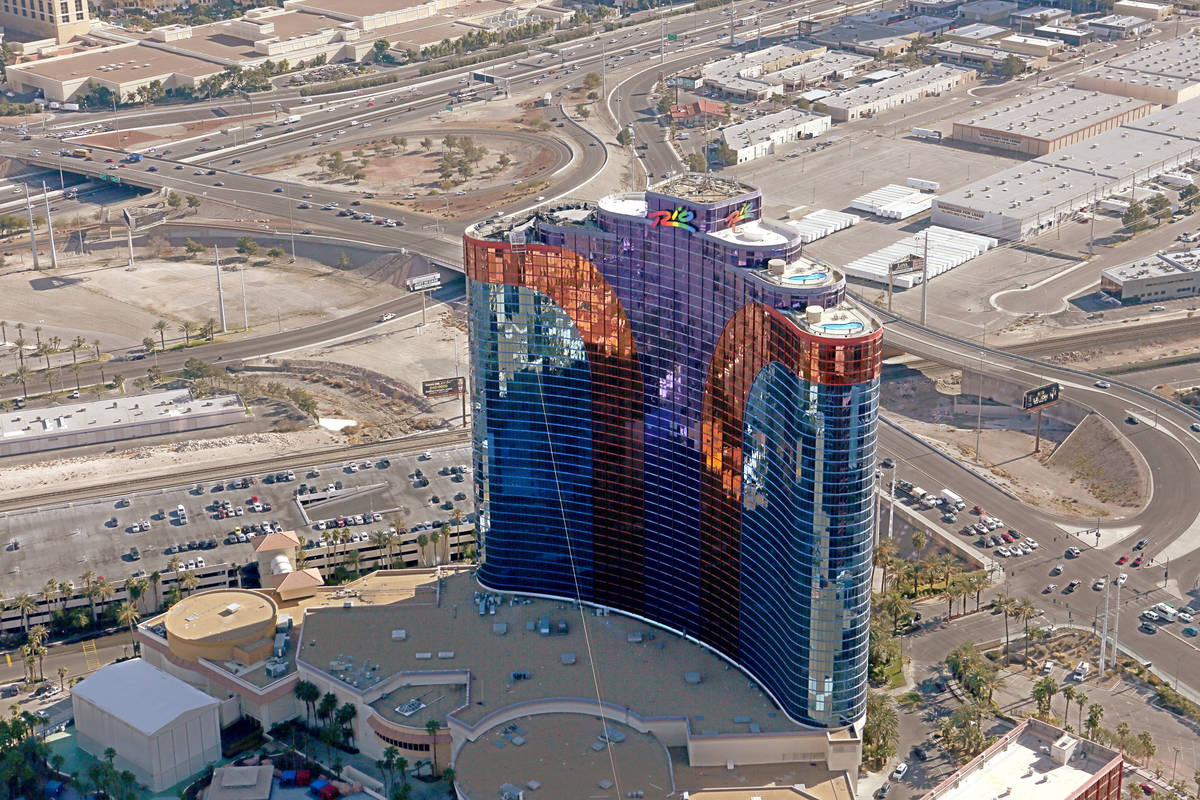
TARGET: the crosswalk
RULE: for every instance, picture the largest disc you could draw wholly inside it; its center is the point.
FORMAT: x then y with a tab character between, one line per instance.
90	656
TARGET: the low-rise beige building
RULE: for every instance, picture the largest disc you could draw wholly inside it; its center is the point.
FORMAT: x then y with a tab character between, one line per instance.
1139	8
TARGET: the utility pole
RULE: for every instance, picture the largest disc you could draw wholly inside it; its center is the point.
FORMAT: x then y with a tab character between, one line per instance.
731	23
662	39
1114	652
32	237
220	292
892	504
245	310
979	409
292	223
925	278
1103	632
49	227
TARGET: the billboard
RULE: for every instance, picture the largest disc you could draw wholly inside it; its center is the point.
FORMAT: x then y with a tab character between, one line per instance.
444	387
420	283
910	263
1041	396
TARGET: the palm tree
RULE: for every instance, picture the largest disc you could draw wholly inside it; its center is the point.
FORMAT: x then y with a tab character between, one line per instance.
127	614
155	578
1043	693
20	343
1122	732
96	347
352	558
432	727
75	372
380	540
1068	693
161	326
189	581
26	605
1081	700
1146	745
187	328
918	542
307	693
949	594
422	543
22	376
3	330
173	565
50	593
37	332
1095	715
885	551
103	591
1026	612
135	588
44	350
118	382
62	678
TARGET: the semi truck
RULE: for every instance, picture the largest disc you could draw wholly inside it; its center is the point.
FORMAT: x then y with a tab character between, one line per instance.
953	500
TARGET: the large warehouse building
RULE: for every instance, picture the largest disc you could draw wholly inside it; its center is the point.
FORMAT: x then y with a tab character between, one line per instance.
866	101
163	730
1031	198
1164	73
1050	120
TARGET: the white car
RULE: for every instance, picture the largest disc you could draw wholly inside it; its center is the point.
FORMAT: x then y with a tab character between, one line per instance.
1102	384
1100	583
1029	540
1184	616
900	771
1002	551
1124	576
1025	548
1151	615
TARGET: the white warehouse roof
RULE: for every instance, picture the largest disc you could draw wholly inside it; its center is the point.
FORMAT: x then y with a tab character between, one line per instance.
141	695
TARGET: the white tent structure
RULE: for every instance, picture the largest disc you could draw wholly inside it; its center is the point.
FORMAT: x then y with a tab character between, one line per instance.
163	729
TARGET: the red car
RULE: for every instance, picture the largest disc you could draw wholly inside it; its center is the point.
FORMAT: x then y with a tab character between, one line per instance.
977	510
1008	537
108	161
1147	788
1137	562
1122	560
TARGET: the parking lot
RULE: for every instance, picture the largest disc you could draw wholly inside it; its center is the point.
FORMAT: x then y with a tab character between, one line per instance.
64	541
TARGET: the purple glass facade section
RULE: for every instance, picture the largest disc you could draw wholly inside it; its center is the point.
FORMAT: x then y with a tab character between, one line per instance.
679	285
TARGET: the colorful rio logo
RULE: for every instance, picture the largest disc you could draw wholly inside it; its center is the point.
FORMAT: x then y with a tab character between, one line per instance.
679	217
738	215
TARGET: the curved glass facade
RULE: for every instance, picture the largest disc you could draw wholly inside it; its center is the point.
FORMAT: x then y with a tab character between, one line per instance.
666	425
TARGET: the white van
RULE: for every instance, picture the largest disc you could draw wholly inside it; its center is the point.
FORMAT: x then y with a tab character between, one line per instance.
1166	611
1082	671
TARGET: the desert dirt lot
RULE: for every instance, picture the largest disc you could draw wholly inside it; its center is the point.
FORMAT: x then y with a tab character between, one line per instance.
395	169
105	299
1062	476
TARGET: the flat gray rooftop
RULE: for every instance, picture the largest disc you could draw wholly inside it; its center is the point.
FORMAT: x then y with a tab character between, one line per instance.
636	664
1161	264
910	81
1046	182
752	131
83	415
1053	113
1172	64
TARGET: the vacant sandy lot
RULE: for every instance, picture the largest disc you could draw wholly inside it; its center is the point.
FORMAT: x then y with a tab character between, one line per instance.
398	170
107	300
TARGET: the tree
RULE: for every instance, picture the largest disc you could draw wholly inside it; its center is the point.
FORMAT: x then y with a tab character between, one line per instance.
1146	746
432	727
664	105
624	137
1012	66
896	606
155	578
380	50
1081	700
592	81
1095	716
696	162
127	614
427	144
189	581
1068	693
881	730
343	261
1122	732
187	328
62	678
918	541
193	202
25	603
1043	693
274	253
1026	611
193	248
160	326
174	201
22	376
247	246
